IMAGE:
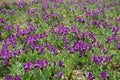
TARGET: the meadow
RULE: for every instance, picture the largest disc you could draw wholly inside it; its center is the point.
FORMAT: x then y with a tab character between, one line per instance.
59	39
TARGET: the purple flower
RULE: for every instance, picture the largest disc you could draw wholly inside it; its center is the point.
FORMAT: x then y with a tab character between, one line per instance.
52	30
76	36
25	50
10	12
44	6
55	51
60	1
108	40
103	75
66	45
71	50
98	44
50	47
32	45
97	59
107	59
17	52
39	64
58	74
46	63
31	11
46	44
104	50
6	62
8	78
73	29
94	22
32	27
90	34
83	36
90	76
89	46
8	55
2	21
93	40
18	78
60	63
118	46
9	27
28	65
41	50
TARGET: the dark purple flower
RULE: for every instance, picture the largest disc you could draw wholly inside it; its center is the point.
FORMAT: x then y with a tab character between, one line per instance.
25	50
58	74
104	50
118	46
103	75
83	36
28	65
60	63
4	12
108	40
94	22
6	62
90	34
8	78
39	64
2	21
93	40
90	76
55	51
46	63
18	78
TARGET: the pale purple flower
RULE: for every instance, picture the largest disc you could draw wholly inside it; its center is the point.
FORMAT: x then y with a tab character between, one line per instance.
46	63
58	74
104	50
28	65
39	64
